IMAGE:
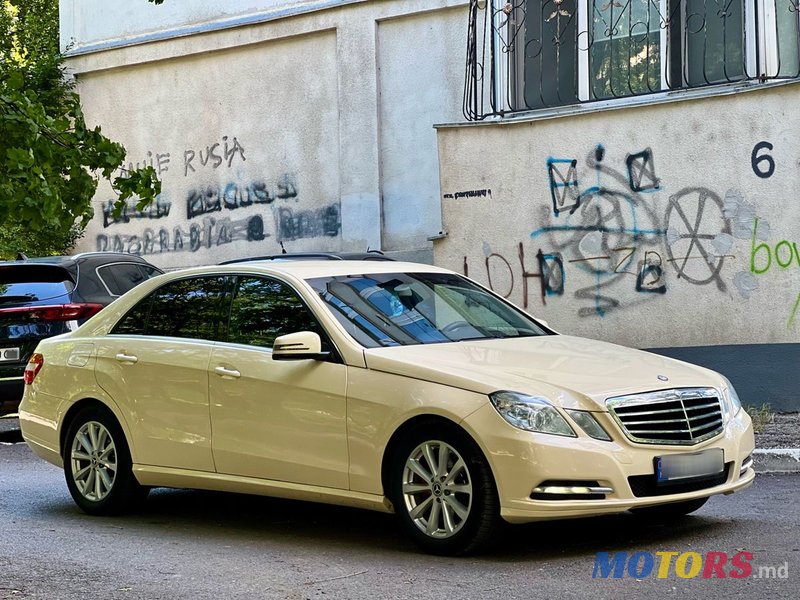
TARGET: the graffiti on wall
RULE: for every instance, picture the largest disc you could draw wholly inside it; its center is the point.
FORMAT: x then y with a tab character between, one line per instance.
613	235
219	213
608	240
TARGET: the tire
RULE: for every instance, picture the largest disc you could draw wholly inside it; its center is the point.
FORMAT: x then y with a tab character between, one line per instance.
459	510
97	464
669	512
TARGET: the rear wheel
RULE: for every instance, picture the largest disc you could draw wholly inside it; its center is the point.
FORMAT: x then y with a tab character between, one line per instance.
443	491
97	464
675	510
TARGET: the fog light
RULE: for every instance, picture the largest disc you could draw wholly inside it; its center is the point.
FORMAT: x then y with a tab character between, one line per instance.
746	464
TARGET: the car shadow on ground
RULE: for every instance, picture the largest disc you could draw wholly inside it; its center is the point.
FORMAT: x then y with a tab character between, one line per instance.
13	436
238	518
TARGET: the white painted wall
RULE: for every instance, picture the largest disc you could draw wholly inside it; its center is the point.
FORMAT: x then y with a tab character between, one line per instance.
420	84
634	271
86	23
336	105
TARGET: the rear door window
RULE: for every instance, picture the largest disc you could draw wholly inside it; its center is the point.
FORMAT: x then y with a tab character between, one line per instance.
186	308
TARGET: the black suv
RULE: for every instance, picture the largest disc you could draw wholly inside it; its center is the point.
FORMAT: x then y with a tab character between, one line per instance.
43	297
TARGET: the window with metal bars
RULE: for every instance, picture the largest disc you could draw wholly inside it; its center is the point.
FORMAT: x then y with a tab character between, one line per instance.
531	54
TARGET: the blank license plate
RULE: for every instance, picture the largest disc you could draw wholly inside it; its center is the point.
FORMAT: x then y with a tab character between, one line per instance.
7	354
679	467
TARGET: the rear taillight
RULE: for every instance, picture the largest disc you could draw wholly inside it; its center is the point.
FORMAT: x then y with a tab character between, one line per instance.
56	312
33	367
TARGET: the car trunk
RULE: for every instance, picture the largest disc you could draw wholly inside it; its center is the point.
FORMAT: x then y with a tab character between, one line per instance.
31	297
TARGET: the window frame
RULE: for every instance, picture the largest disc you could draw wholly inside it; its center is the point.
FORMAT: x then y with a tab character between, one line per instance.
760	48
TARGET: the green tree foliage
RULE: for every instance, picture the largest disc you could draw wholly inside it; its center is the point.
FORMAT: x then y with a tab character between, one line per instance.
50	159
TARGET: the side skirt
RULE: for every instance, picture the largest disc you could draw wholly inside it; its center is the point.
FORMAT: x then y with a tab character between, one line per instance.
183	478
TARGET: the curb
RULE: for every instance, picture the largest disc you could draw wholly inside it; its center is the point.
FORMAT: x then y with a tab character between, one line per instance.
777	460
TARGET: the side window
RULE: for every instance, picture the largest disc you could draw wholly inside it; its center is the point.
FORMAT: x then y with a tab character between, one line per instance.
121	277
149	271
263	309
135	320
187	308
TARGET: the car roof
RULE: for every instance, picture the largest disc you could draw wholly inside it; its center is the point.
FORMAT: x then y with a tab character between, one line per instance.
370	255
309	269
66	261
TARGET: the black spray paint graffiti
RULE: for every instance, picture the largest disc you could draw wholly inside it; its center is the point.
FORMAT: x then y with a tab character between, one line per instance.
322	222
157	210
756	161
214	198
215	155
213	232
642	171
158	160
469	194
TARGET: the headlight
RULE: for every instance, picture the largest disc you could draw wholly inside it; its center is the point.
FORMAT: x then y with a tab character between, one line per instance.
589	424
731	403
530	413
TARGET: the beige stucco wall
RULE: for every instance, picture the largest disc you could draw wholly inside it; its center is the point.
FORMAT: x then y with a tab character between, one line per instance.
328	120
654	227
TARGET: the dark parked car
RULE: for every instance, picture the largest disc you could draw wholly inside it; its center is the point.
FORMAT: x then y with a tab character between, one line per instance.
43	297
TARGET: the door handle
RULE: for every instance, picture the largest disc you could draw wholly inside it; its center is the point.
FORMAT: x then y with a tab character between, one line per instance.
223	372
126	358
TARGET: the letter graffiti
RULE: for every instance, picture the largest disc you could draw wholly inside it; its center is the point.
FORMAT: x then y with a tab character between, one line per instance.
215	155
212	233
322	222
157	210
550	274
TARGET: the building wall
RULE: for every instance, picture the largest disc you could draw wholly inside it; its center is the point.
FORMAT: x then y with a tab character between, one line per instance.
314	131
669	225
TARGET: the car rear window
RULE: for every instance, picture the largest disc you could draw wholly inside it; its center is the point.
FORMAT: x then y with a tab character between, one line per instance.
25	284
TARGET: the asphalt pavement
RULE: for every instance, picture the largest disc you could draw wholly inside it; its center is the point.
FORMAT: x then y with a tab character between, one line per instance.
193	544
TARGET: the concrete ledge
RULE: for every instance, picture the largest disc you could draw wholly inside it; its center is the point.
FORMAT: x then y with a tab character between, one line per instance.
777	460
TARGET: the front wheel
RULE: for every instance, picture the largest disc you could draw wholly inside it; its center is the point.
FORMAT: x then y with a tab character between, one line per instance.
97	464
443	491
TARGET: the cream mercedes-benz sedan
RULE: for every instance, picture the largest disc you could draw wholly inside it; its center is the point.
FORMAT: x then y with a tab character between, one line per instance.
390	386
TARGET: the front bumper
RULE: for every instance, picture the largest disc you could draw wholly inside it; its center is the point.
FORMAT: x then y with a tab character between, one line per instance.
522	460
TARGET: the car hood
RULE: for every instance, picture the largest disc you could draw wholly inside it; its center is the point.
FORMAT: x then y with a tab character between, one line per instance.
569	371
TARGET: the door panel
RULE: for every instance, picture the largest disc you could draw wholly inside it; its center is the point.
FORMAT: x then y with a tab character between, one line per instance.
280	420
154	364
162	387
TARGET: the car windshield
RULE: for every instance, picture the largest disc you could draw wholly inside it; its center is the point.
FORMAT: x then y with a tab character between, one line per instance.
403	309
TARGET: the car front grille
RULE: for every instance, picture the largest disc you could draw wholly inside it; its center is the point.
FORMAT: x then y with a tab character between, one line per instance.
683	416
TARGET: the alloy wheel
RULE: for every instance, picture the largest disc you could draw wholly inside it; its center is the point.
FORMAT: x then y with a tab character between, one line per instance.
94	461
437	489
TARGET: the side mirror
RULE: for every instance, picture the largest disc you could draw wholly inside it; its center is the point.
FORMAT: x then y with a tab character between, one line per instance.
543	322
303	345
